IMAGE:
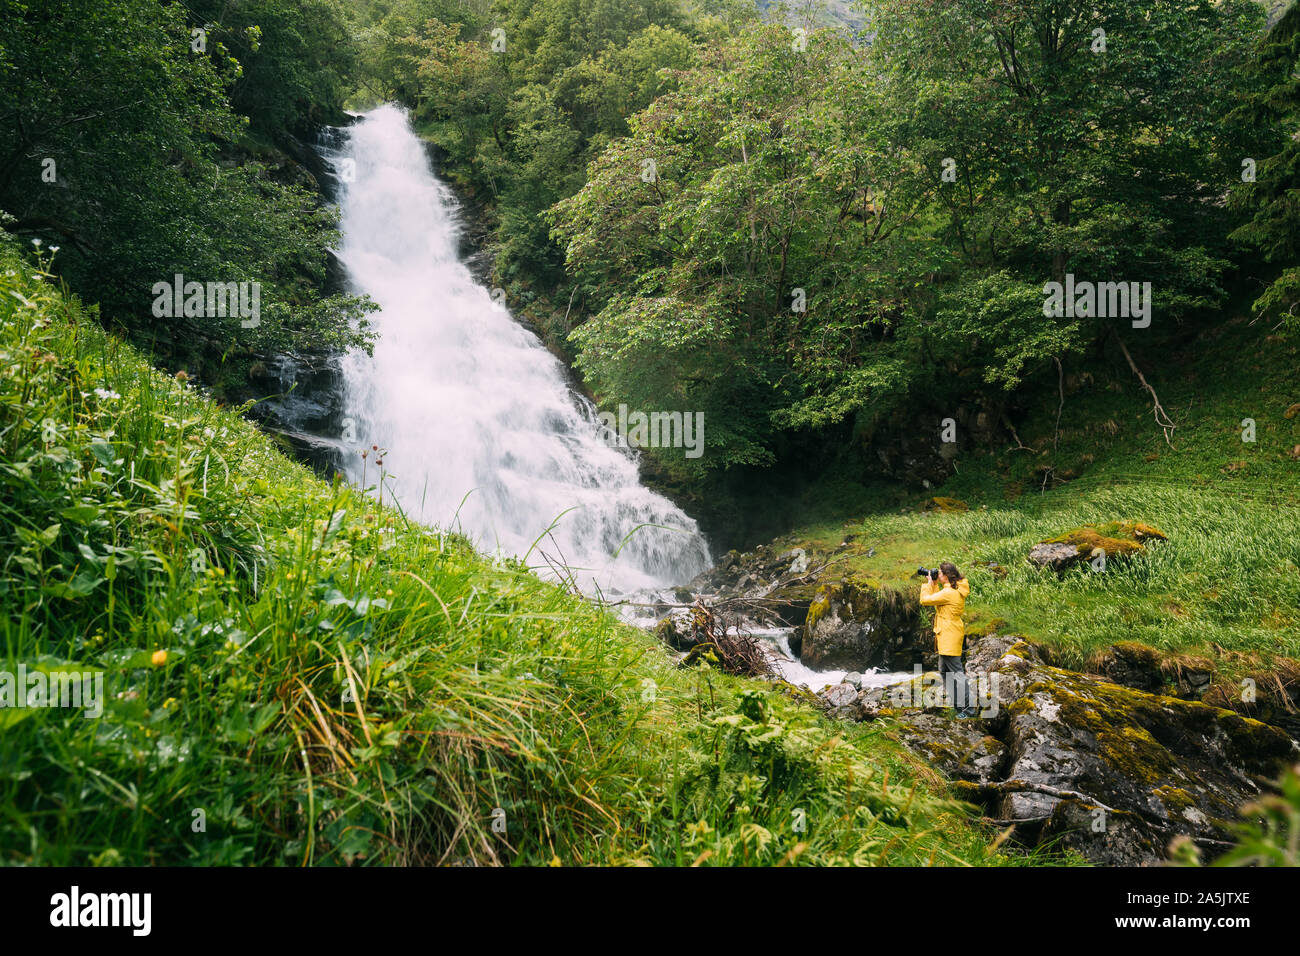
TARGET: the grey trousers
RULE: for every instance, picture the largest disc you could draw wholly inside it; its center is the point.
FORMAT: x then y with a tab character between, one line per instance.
953	675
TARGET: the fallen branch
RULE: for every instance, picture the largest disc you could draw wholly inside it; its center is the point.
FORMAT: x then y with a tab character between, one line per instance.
1060	385
1026	786
1022	786
1162	419
566	311
1020	446
994	821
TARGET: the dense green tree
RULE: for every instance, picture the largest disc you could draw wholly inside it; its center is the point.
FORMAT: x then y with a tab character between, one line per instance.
1084	137
521	94
296	58
747	243
396	37
916	193
119	147
1270	191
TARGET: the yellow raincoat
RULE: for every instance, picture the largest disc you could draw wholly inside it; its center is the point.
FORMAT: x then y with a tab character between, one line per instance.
948	603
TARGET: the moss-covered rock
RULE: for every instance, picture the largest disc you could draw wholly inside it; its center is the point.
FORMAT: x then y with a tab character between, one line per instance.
1131	664
1136	752
672	632
944	505
857	625
1058	557
1088	541
1115	539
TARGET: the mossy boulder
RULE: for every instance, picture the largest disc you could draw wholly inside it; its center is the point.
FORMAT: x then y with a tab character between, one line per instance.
1058	557
944	505
669	633
677	630
1116	540
858	625
1174	766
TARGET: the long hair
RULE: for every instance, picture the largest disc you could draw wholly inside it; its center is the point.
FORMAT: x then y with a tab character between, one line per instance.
950	572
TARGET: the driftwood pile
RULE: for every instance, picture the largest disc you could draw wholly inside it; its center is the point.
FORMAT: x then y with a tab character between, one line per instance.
724	644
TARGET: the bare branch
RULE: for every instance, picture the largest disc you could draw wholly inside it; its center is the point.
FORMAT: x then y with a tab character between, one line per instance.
1162	419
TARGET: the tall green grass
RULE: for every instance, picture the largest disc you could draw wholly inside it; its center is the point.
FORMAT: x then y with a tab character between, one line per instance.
1228	575
296	675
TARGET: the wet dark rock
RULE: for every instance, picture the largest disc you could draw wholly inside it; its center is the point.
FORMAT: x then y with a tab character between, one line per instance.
322	455
859	627
301	400
1133	665
1193	682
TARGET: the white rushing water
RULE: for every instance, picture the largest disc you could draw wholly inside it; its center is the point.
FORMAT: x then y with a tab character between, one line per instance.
481	430
776	641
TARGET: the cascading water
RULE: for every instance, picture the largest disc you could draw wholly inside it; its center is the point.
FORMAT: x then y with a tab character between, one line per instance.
482	432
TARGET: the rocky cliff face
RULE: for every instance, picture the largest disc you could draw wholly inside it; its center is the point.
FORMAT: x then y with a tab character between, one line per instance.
302	401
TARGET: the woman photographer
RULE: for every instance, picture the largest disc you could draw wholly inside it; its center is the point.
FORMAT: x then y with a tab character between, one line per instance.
946	591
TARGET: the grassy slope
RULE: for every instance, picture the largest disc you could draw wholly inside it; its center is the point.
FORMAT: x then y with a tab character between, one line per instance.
296	675
1227	583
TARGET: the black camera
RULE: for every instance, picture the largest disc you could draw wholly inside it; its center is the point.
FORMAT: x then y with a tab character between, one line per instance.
928	572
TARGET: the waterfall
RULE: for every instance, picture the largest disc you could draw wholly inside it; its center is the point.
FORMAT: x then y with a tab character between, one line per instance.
480	429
